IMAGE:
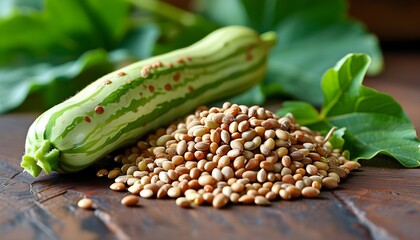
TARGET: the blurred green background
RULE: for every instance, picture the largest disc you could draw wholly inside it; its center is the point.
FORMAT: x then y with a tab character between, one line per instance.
50	49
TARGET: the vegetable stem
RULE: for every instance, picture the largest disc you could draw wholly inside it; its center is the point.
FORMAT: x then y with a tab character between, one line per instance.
270	38
43	157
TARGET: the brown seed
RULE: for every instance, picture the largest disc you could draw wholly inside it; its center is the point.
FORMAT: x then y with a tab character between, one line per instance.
146	193
102	173
246	199
285	195
181	147
223	161
311	169
174	192
329	182
193	184
294	191
248	135
227	173
217	174
208	197
209	166
234	153
310	192
152	186
220	201
262	176
239	162
113	173
250	145
265	150
162	192
267	166
85	203
129	200
225	136
270	196
351	165
263	191
251	175
334	175
237	144
288	178
223	150
202	146
261	201
167	165
135	189
234	197
161	141
237	187
339	171
183	202
243	126
117	186
252	164
206	180
194	173
296	156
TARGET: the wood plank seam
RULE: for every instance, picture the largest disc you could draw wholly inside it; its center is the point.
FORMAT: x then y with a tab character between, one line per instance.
376	232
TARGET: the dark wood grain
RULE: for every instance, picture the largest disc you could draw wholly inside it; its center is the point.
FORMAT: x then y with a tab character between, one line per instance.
380	201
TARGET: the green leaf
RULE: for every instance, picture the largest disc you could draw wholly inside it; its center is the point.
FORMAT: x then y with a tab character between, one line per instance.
18	82
62	31
336	140
56	48
341	96
375	123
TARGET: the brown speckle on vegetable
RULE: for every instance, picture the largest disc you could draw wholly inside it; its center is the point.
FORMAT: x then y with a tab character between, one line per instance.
87	119
121	74
180	61
107	82
176	76
168	87
99	109
157	64
145	71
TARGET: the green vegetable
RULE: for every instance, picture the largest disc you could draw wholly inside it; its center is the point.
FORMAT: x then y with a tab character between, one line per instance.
120	107
374	122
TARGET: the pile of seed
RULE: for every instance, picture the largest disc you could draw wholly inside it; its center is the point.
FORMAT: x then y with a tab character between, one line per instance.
233	154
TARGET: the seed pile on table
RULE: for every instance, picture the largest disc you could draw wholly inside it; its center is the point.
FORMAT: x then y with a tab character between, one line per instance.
233	154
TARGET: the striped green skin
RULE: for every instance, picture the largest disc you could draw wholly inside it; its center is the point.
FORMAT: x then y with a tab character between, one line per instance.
72	136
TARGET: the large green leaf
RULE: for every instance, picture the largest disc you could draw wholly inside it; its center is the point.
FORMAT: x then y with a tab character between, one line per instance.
70	43
17	83
375	123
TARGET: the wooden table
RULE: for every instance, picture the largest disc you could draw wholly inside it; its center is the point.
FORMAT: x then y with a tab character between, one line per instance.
379	201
